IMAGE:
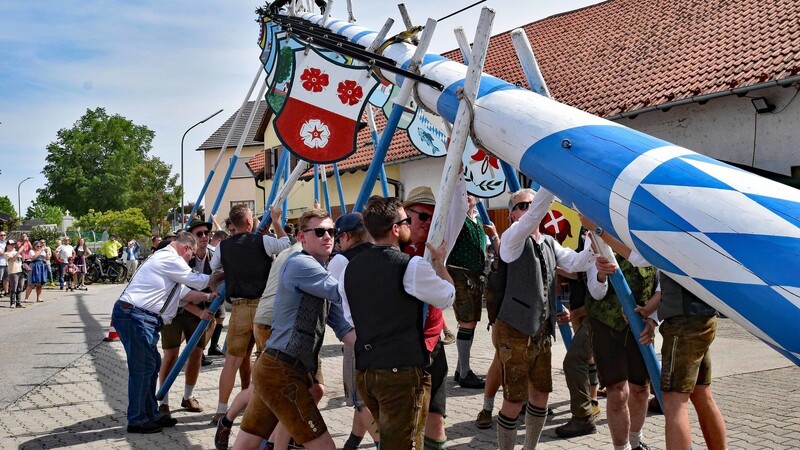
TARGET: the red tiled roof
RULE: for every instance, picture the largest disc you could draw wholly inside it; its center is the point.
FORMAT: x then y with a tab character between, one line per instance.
623	55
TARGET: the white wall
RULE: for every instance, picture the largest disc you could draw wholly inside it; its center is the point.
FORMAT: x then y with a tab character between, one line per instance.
729	129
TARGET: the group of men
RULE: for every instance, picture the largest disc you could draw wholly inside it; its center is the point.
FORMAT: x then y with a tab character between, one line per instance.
384	301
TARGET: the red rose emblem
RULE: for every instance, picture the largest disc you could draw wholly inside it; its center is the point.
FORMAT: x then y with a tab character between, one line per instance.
349	92
314	80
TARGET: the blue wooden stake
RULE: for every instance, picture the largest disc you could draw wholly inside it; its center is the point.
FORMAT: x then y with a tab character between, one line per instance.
316	183
339	188
190	345
377	159
283	161
285	209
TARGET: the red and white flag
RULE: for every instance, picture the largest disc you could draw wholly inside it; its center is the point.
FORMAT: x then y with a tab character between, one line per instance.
319	120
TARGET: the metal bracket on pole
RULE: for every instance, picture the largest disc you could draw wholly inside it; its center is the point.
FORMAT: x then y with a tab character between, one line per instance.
461	129
394	119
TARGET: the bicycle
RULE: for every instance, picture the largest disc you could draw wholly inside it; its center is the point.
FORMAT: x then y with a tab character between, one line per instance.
112	270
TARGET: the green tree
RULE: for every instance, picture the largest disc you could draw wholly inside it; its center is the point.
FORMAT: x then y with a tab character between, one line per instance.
6	206
89	165
48	213
128	224
156	190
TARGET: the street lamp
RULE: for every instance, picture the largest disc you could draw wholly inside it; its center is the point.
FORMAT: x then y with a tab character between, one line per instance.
183	189
19	200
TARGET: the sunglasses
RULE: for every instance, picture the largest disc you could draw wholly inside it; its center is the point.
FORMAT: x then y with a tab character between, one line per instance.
202	233
423	217
321	231
522	206
406	221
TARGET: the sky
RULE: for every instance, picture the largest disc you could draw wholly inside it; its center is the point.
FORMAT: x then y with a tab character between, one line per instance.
163	64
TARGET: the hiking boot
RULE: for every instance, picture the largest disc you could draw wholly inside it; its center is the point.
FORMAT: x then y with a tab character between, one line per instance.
471	381
221	436
164	410
596	409
576	427
191	404
484	419
449	338
215	418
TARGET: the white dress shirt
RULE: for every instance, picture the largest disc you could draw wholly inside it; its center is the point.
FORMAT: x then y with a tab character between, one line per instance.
156	279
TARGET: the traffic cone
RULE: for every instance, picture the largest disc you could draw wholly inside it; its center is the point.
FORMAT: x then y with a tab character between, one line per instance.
112	334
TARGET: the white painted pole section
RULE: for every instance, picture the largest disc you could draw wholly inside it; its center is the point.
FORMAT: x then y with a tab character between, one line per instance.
350	17
461	130
416	60
250	119
463	44
239	114
371	122
381	35
543	199
528	62
406	18
327	13
299	169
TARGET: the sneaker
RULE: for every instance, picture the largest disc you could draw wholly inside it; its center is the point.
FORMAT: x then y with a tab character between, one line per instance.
576	427
206	362
166	422
164	410
215	418
484	419
641	446
215	351
19	305
449	338
471	381
221	436
191	405
145	428
596	409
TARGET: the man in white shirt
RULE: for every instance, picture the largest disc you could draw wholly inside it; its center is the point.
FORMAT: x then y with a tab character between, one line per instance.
64	251
147	303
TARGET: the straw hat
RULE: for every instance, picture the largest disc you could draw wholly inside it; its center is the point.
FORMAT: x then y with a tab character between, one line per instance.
420	195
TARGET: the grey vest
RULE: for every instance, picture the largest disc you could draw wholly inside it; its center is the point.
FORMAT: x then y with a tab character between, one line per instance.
309	330
529	298
677	301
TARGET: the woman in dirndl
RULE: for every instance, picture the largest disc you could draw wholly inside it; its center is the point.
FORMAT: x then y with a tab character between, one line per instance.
38	274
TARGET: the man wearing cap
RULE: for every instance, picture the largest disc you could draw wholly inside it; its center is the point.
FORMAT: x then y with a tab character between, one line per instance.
184	325
352	239
246	259
149	301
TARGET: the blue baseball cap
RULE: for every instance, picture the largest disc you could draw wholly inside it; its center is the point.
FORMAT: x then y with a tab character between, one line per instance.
349	222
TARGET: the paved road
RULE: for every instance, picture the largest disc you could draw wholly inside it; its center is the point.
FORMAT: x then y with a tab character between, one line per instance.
64	388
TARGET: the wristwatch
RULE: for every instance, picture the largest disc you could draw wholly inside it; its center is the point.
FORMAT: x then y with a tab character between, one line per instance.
598	231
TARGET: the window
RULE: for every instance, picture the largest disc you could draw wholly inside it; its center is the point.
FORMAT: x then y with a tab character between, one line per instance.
250	204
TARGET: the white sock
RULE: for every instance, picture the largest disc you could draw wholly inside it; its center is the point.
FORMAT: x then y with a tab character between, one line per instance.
165	401
222	408
187	391
635	438
627	446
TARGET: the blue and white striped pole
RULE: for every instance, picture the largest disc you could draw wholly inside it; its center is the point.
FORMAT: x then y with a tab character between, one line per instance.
686	213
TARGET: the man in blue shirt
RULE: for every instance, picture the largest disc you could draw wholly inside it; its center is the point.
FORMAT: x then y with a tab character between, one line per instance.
306	300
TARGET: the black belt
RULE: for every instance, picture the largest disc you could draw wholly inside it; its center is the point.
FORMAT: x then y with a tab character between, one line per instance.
129	306
286	358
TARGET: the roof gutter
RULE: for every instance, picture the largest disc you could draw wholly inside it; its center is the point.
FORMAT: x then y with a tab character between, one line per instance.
702	99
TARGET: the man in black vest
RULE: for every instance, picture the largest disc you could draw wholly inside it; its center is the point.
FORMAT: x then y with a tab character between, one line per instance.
526	321
246	259
385	289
